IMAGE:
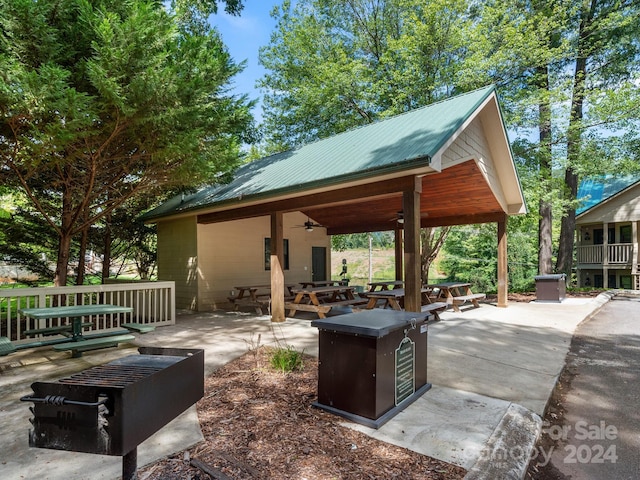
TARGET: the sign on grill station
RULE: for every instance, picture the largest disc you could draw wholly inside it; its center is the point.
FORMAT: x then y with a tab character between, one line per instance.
405	370
110	409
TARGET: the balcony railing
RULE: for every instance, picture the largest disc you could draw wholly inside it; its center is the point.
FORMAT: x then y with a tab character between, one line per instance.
153	303
618	254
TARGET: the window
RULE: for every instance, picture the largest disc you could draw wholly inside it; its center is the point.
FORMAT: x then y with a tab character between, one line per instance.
625	234
625	282
267	253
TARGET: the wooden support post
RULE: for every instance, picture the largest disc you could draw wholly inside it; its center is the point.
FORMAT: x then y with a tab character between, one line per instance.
398	251
503	272
277	269
412	270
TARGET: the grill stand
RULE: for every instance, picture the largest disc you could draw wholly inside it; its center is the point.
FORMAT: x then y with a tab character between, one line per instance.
110	409
130	465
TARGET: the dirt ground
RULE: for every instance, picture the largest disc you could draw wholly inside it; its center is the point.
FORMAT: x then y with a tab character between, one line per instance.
259	423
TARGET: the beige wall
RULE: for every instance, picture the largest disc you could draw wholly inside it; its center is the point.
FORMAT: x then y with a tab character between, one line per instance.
624	207
232	254
178	259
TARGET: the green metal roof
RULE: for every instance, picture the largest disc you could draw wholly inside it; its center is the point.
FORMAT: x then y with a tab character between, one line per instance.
393	144
596	190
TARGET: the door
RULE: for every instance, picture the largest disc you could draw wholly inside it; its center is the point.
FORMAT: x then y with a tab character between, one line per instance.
318	264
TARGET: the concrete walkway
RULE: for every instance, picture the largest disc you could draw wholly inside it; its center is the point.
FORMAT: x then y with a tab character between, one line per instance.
492	371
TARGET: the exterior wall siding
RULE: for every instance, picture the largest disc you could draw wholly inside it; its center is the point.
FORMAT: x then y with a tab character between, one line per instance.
178	259
472	144
232	254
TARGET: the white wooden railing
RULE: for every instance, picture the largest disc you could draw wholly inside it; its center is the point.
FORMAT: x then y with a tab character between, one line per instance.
617	253
152	302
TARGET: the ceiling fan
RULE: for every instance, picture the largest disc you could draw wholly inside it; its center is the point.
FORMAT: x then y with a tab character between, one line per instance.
400	217
309	225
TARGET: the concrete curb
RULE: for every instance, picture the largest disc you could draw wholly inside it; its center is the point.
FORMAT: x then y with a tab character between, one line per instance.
507	453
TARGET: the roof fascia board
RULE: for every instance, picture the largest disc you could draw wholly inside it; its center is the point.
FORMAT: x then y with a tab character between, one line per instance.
300	198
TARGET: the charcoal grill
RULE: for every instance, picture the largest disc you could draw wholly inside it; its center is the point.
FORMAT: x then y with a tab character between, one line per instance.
110	409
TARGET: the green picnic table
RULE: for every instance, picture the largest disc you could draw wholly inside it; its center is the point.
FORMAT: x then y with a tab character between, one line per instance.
77	343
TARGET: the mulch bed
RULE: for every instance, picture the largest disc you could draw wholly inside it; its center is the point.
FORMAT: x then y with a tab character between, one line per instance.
259	423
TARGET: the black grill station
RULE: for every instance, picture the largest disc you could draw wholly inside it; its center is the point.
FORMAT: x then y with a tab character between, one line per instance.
110	409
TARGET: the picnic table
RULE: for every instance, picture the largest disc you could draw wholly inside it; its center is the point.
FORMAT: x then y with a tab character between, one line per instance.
456	294
322	299
395	298
256	296
324	283
76	341
385	285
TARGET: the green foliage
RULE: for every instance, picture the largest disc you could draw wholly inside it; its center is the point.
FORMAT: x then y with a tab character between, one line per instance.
361	240
470	255
286	359
332	66
104	101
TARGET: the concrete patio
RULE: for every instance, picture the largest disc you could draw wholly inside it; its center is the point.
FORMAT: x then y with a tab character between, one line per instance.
492	371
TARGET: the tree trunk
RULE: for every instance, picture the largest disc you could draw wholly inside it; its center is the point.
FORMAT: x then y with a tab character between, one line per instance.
84	239
432	240
62	264
64	242
106	257
574	145
545	222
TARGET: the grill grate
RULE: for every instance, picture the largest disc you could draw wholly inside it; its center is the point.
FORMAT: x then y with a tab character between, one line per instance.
110	375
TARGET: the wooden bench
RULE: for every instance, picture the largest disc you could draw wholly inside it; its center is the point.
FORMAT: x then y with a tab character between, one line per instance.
258	304
139	327
435	308
6	346
93	344
323	308
473	298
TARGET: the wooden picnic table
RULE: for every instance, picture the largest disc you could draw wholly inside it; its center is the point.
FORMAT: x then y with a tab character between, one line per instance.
456	294
324	283
256	296
394	298
77	342
385	285
322	299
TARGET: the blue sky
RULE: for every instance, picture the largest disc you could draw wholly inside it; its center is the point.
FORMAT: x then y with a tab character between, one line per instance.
243	36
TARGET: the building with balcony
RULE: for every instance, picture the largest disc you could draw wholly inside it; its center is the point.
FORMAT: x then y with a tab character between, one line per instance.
607	253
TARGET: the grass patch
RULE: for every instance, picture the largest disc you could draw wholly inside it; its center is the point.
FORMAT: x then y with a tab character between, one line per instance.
286	359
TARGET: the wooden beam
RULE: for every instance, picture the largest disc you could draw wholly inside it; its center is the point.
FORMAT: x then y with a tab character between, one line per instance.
277	269
398	243
503	273
317	200
412	279
385	226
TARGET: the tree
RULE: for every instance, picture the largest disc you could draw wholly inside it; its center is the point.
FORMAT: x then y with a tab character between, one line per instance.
334	65
103	101
605	37
555	64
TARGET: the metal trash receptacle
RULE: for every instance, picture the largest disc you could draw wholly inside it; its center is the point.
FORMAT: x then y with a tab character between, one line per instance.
551	288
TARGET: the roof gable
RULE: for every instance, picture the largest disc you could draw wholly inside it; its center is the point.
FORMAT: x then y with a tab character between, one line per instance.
393	144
